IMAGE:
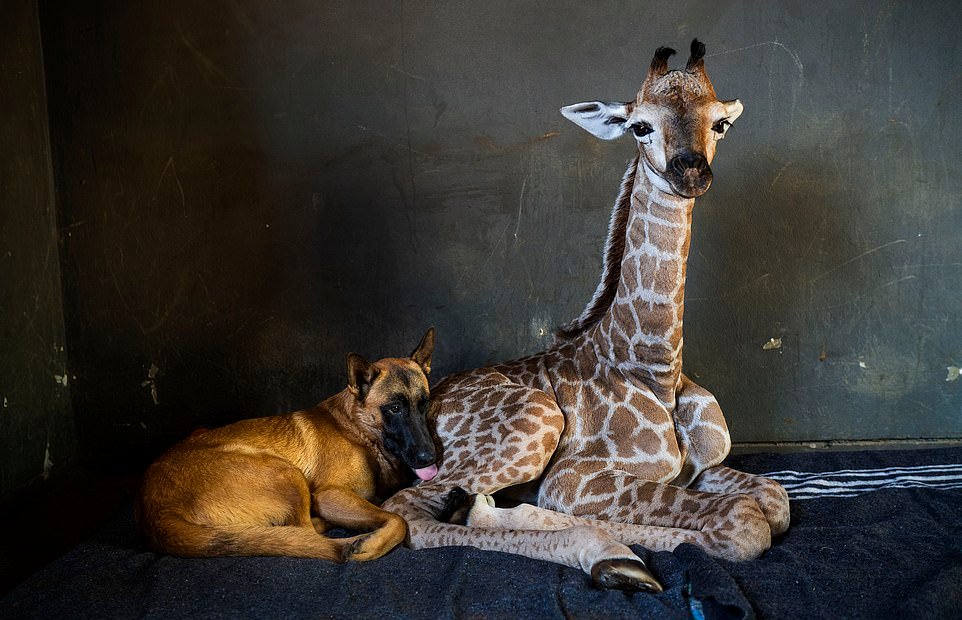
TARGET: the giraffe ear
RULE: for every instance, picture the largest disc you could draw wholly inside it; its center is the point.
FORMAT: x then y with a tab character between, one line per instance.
422	354
604	120
733	109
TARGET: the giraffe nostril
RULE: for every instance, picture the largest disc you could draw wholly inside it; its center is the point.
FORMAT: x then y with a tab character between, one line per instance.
685	162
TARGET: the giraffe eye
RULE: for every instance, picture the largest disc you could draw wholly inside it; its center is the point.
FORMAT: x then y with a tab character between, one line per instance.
642	130
721	126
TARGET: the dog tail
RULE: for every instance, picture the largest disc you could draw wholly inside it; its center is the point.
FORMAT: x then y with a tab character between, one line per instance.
174	535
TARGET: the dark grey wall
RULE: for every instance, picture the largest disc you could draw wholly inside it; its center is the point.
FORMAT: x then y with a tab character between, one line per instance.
37	434
249	190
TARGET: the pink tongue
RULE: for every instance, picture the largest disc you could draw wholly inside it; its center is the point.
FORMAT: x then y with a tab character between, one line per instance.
426	473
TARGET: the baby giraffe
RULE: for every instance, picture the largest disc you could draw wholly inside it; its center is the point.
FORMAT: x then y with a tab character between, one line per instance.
624	448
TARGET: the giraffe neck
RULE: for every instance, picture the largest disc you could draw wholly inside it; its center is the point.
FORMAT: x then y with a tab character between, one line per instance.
641	331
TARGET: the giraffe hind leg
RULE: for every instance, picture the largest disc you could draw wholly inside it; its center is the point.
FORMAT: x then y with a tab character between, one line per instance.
495	433
701	430
701	427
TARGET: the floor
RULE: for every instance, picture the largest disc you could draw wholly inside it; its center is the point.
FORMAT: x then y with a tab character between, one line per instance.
43	521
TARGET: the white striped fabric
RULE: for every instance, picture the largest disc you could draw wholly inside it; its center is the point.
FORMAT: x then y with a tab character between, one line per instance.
853	482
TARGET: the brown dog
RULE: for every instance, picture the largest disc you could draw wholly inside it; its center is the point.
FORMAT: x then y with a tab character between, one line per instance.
252	488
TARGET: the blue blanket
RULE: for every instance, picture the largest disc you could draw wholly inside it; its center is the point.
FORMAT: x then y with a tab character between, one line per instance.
873	535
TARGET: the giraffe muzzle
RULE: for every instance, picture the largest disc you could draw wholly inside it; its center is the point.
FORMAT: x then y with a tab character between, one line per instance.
689	174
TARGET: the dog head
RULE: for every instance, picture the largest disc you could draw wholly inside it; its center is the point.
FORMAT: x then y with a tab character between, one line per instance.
392	395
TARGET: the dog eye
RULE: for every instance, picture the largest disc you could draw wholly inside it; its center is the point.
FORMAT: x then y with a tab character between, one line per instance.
394	408
642	130
721	126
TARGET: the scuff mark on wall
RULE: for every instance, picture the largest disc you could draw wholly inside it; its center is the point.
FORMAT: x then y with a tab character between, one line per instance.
860	256
47	461
797	85
953	373
151	383
541	327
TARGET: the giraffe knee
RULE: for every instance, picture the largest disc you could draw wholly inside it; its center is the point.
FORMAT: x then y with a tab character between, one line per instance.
773	500
744	533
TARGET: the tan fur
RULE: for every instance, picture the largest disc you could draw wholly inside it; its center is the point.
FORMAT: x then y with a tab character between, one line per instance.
272	486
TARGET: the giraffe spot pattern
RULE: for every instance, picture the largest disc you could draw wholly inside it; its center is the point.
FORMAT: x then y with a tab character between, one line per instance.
610	410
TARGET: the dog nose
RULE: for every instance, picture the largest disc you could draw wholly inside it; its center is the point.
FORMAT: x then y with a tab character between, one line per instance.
424	457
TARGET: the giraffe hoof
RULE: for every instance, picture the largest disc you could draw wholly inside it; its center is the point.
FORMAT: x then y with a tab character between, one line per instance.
627	575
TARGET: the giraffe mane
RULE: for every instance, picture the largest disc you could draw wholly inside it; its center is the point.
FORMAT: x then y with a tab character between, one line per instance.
613	253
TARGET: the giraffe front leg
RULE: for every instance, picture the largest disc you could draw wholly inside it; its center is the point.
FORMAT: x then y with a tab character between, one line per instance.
610	563
484	513
731	526
771	496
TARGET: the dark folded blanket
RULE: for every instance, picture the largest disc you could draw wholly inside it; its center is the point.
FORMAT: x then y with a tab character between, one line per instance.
874	535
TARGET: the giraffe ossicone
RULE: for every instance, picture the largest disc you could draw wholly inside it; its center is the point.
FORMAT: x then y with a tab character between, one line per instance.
624	448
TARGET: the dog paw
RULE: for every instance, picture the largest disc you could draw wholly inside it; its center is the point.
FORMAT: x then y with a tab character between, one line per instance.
354	551
373	545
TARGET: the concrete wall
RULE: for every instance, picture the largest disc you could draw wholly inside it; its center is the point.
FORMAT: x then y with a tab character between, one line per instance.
37	434
249	190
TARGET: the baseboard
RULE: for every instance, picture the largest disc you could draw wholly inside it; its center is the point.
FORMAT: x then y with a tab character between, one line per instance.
844	444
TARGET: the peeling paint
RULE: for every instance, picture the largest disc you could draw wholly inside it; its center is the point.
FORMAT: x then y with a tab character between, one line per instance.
861	364
540	327
5	405
772	344
953	375
47	461
61	379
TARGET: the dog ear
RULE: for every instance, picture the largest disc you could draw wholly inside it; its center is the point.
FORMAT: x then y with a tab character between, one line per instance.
422	354
360	375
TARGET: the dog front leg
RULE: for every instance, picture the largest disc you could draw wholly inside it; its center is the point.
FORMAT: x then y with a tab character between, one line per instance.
343	507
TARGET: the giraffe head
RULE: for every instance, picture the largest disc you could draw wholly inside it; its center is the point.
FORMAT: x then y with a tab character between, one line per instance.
675	118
